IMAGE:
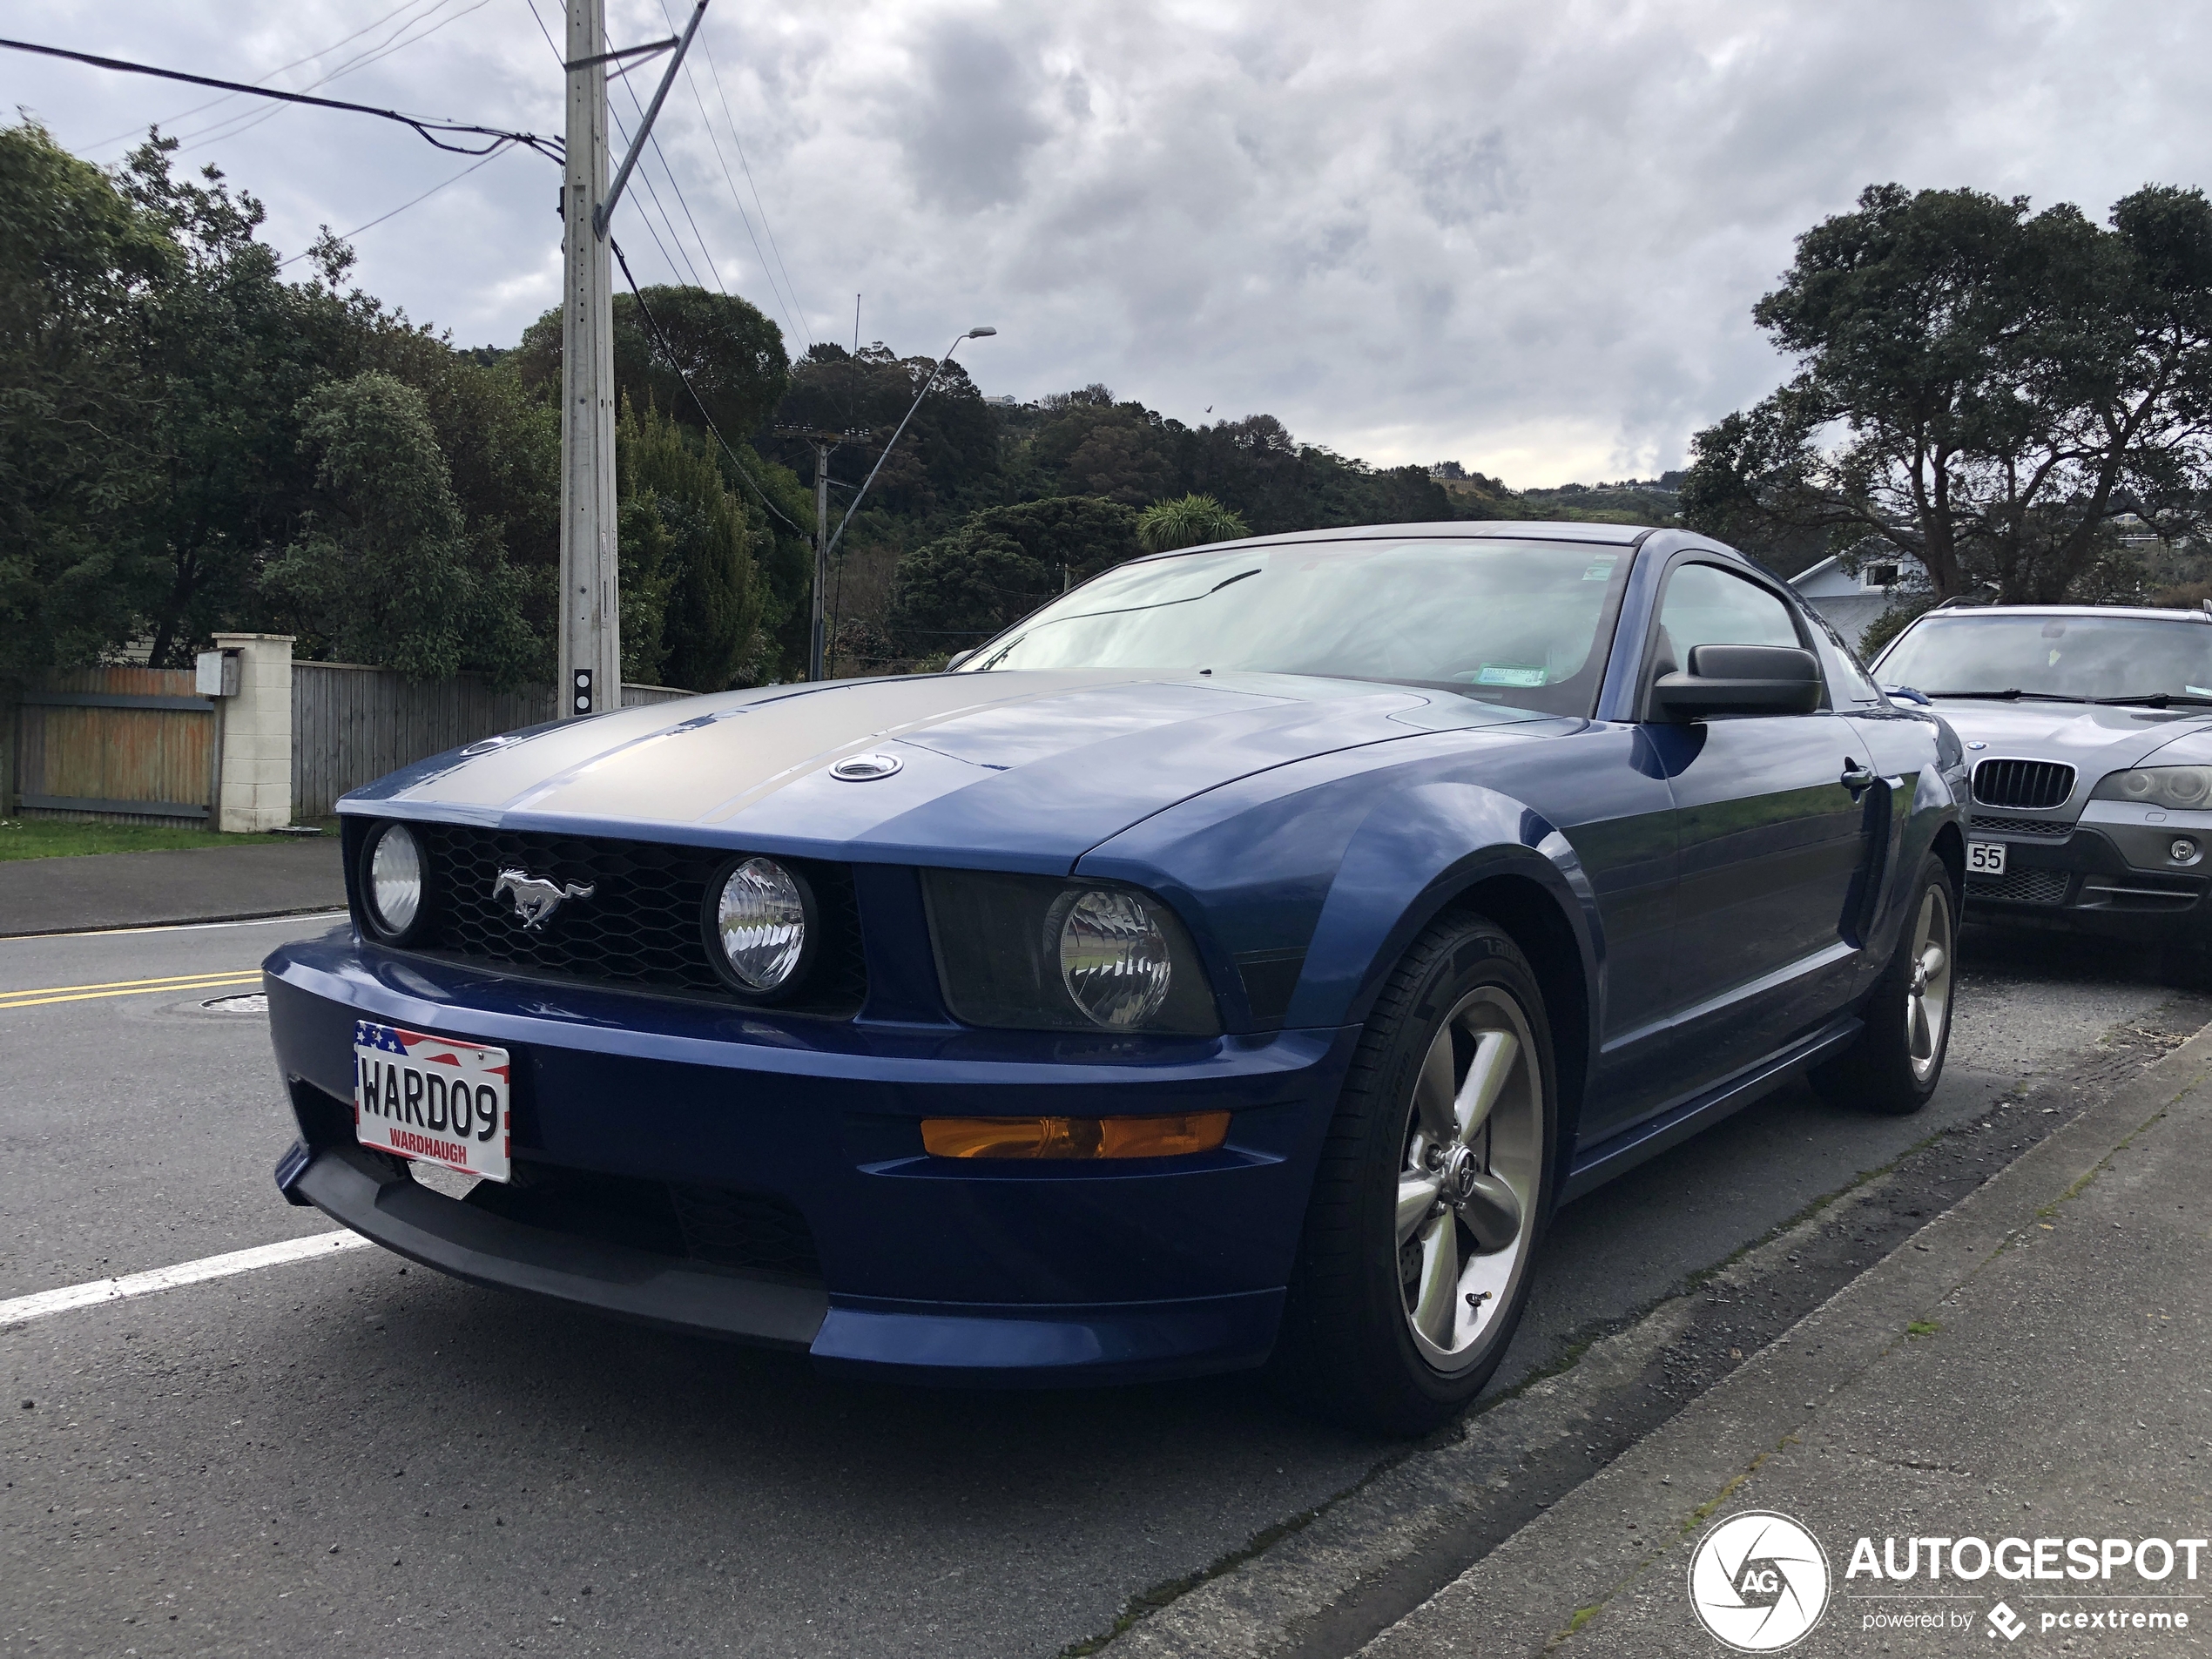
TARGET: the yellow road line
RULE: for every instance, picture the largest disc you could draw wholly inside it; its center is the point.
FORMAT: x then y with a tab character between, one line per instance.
32	999
132	984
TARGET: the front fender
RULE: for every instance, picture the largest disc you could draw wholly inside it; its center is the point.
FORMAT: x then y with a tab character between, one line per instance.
1415	852
1328	869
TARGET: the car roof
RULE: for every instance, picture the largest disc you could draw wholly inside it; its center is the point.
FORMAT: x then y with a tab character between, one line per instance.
2155	613
1469	530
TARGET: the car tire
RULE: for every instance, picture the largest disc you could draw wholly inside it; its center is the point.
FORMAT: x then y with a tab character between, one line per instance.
1897	1060
1400	1308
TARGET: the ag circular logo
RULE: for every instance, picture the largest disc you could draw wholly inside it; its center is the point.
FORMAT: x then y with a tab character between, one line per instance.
1759	1582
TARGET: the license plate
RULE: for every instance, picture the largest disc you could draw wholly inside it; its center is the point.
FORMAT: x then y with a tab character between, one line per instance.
425	1098
1984	858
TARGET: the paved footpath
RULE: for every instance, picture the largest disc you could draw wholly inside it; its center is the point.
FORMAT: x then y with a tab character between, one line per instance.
2036	1365
259	877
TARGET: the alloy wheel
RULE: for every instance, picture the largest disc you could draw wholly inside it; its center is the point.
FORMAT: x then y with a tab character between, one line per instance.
1927	994
1466	1185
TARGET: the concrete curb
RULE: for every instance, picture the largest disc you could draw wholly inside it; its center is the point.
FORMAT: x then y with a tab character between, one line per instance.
1558	1573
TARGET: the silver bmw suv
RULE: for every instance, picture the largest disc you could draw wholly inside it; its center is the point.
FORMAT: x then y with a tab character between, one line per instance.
2088	732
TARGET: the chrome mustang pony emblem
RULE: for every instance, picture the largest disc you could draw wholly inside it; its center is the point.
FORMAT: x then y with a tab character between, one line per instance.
535	898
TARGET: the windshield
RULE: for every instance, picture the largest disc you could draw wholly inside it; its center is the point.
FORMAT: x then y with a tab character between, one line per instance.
2087	657
1504	622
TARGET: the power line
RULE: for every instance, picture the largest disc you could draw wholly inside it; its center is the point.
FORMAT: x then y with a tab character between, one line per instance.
425	126
653	196
238	124
675	188
787	305
133	131
503	149
676	363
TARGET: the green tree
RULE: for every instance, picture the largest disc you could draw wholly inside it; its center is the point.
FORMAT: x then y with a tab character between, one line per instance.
75	257
1000	564
717	346
1982	389
383	571
688	542
1188	521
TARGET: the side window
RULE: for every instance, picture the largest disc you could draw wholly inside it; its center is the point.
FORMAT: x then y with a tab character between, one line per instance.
1706	605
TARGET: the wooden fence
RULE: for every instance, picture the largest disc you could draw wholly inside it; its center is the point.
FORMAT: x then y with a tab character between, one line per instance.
351	724
132	744
137	746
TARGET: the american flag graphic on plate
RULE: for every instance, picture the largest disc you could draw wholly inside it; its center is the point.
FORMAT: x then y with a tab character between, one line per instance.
431	1099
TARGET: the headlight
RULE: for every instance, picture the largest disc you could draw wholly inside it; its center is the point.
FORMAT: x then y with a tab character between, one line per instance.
757	920
2183	787
392	889
1038	953
1113	956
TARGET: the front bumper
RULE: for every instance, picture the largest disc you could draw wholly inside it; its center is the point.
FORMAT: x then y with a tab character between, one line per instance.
2111	872
930	1269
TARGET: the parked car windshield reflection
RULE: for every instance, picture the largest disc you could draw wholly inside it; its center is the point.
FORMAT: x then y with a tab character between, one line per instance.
1510	621
2085	657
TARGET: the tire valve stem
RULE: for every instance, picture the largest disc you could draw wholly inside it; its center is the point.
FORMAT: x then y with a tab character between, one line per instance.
1476	1299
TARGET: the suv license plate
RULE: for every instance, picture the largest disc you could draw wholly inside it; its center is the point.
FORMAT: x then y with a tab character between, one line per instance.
423	1098
1984	858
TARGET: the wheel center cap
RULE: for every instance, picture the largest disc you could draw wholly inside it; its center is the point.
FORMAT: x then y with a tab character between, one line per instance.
1458	1176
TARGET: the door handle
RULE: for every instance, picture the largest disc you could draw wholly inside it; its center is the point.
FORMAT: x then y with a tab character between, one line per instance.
1856	778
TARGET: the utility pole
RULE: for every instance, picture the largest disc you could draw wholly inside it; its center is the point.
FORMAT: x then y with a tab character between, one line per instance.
590	633
590	604
822	443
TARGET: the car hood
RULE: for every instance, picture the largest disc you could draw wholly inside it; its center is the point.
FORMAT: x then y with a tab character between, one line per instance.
1008	770
2093	739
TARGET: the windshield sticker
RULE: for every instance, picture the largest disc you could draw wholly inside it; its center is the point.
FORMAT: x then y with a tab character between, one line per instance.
1510	674
1601	569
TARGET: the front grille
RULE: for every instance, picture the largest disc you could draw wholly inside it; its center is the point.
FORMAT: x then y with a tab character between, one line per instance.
2022	783
2021	886
643	927
2057	830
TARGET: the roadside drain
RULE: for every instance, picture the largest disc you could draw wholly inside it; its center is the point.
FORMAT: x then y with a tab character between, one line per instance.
250	1002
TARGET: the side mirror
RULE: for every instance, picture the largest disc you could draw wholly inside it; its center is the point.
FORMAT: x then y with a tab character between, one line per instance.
1739	679
956	659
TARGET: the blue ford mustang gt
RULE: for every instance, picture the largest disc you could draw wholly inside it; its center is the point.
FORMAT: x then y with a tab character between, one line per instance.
1234	963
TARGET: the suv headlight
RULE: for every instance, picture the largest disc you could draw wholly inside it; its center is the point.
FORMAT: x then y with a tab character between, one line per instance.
2182	786
1038	953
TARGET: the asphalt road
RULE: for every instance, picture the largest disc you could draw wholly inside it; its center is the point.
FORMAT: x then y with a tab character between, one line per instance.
347	1455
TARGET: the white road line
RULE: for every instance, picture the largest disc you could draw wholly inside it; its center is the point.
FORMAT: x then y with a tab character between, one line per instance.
26	1308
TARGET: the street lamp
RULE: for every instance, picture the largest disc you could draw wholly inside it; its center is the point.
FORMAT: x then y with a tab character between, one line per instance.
822	551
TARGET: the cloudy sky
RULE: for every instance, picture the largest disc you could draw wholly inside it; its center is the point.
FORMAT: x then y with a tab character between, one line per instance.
1527	237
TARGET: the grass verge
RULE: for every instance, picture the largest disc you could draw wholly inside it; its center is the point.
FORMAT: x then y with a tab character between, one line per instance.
56	838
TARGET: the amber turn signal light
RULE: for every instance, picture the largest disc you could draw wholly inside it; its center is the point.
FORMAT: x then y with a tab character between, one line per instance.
1075	1138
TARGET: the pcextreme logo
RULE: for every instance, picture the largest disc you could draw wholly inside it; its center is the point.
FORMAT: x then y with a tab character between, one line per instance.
1759	1582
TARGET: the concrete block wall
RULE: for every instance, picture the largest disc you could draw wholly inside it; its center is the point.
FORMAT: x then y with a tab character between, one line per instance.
254	787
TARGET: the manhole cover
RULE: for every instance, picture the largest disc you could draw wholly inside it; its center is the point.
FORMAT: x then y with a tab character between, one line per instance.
252	1002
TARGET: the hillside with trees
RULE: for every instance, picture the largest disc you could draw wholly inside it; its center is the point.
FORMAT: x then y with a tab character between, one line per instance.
196	436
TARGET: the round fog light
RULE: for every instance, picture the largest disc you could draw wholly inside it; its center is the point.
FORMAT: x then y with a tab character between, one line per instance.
394	879
759	924
2183	851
